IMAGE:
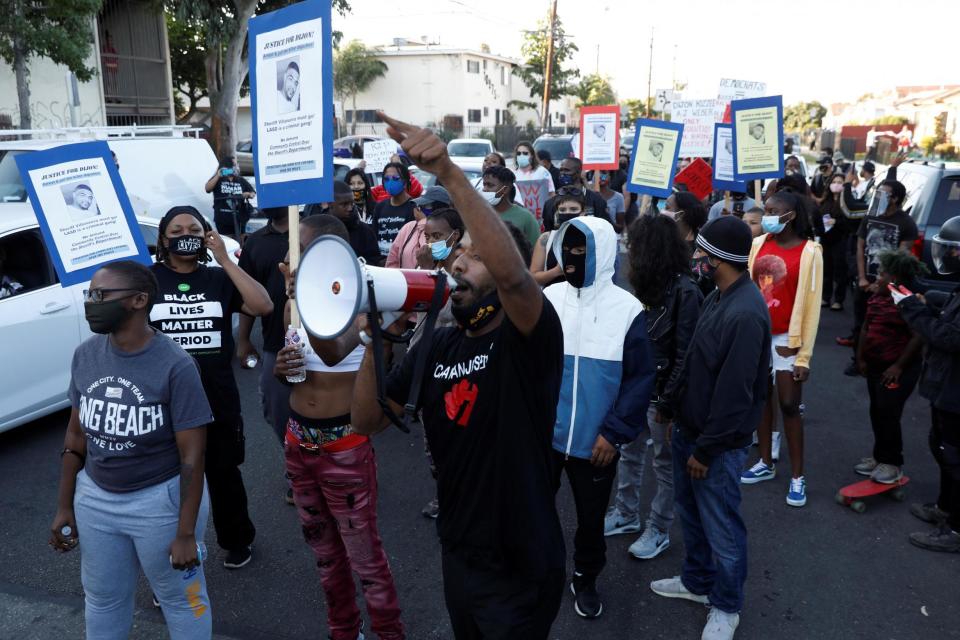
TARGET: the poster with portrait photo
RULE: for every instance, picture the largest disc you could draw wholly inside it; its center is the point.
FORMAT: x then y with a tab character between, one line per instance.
757	138
656	146
599	144
723	179
82	208
291	97
288	85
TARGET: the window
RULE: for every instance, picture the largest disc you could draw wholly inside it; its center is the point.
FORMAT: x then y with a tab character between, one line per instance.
563	118
486	112
947	203
363	115
151	234
25	267
497	121
484	65
473	115
473	66
503	75
11	186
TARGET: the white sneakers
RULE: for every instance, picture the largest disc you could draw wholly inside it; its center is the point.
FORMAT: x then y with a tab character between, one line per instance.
720	624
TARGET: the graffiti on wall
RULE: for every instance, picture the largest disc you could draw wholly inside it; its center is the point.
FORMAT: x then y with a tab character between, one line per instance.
56	115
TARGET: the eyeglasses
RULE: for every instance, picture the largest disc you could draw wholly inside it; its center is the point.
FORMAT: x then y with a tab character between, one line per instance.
96	295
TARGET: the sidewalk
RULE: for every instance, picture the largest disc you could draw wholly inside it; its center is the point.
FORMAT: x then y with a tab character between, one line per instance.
32	615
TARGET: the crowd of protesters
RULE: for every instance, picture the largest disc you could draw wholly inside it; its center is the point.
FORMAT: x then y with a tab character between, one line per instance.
539	365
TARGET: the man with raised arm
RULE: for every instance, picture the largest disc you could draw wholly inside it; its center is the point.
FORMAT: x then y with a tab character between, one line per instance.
488	400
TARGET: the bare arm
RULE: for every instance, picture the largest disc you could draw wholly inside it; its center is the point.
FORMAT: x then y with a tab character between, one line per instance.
70	465
543	276
332	352
519	292
244	345
256	300
212	182
366	416
191	443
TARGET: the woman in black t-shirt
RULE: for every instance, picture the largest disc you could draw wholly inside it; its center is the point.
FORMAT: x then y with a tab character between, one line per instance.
194	307
391	214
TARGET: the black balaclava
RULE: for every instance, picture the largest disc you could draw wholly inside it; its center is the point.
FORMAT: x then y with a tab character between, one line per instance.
573	238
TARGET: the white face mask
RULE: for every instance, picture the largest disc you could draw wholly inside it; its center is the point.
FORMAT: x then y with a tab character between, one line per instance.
492	198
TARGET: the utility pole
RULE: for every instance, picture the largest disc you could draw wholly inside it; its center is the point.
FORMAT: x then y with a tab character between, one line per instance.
650	73
548	67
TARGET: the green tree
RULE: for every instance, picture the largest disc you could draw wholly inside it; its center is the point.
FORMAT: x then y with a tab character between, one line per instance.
55	29
222	26
533	69
355	68
803	115
187	65
595	91
637	108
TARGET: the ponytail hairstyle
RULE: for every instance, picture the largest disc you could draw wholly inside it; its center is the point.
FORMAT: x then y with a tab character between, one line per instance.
162	252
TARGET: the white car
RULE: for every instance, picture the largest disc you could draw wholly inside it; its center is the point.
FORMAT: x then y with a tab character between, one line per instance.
468	153
42	324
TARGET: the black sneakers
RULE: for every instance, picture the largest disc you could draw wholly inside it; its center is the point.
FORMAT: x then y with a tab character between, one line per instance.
587	602
238	558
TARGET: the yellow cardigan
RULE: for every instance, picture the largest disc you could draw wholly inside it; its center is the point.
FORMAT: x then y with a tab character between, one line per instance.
805	318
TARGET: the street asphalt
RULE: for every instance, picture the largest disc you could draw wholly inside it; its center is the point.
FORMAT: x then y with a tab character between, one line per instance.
822	571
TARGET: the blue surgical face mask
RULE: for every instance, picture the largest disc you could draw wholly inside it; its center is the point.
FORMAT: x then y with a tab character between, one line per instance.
772	224
439	250
394	186
523	161
565	179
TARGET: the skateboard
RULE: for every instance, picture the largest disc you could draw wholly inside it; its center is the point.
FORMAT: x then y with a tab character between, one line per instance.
851	495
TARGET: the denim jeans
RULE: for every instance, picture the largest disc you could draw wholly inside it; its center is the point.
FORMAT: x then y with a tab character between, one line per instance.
633	458
121	532
714	534
336	497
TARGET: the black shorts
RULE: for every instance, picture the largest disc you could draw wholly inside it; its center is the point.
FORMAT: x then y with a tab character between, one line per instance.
224	222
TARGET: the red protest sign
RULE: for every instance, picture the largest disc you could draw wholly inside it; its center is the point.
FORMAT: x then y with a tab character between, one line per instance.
698	177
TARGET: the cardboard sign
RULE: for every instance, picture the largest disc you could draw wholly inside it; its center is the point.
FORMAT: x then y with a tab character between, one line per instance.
291	97
697	118
663	102
600	137
698	177
757	138
731	90
656	146
723	160
377	154
83	210
535	194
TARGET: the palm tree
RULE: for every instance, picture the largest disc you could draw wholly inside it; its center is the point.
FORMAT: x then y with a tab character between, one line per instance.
355	67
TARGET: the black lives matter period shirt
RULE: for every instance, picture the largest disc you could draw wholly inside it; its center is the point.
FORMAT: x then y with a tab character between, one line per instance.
195	309
489	405
388	220
130	407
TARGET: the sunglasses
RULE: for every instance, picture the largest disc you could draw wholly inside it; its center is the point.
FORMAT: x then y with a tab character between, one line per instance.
96	295
523	153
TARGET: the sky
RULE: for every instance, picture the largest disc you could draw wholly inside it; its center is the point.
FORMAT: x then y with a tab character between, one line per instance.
831	51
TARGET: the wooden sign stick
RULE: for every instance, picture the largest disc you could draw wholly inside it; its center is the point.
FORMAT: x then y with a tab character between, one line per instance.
293	222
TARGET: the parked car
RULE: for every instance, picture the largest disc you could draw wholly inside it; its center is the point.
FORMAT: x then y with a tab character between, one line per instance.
559	146
933	197
428	179
244	156
468	153
343	147
43	323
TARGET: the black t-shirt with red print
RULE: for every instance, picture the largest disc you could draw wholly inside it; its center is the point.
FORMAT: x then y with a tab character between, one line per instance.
489	405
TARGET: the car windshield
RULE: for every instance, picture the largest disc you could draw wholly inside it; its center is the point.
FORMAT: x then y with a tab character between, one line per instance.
559	148
914	181
468	149
11	186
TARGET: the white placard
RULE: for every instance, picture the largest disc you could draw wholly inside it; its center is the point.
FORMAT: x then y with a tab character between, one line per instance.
697	117
731	89
599	139
377	153
664	100
290	103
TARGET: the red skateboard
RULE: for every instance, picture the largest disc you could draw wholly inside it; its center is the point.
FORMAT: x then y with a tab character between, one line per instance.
852	494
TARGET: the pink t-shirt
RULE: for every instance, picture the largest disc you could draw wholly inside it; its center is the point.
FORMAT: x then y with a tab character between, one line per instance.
403	251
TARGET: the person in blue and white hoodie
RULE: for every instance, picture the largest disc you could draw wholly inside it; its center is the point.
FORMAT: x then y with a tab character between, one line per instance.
608	377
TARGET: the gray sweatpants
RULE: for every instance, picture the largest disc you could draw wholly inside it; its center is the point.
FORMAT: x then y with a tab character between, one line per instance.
118	532
274	397
630	476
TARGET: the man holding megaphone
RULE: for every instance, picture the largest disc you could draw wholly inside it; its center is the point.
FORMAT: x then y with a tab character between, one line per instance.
488	398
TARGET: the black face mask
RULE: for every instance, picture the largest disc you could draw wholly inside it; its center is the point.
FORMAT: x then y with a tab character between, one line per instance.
703	268
579	264
105	317
565	217
185	245
478	315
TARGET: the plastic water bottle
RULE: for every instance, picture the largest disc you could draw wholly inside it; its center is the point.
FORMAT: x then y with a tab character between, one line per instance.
293	338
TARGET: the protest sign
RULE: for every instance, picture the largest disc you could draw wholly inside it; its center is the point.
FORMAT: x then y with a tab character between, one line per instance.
377	153
698	176
664	99
731	90
656	146
535	194
83	210
723	160
291	96
757	138
697	118
600	137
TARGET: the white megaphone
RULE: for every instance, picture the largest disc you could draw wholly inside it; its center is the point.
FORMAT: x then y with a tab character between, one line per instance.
332	288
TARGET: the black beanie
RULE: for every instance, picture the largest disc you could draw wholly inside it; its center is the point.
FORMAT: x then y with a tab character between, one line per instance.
727	238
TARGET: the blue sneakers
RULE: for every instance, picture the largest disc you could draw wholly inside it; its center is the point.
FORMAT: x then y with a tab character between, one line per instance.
758	473
797	496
